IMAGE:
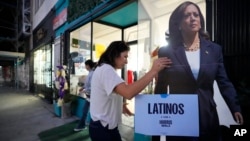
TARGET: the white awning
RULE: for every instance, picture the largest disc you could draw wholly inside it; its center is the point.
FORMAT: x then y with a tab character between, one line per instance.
11	54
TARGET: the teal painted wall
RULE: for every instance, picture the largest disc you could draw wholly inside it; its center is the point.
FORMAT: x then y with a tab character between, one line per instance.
59	7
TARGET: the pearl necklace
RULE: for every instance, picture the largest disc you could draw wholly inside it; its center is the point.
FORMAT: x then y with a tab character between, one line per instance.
193	47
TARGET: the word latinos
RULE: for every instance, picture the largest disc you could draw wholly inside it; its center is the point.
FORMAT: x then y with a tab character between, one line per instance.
166	108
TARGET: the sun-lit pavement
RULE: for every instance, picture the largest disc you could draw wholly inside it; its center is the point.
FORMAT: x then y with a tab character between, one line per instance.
23	115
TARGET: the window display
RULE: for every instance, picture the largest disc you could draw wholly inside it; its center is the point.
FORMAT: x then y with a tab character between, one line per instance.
80	51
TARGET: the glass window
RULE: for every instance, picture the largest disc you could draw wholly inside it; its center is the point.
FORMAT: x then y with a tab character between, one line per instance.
103	35
138	59
80	51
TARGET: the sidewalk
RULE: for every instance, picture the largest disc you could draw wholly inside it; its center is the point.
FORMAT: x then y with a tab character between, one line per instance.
24	115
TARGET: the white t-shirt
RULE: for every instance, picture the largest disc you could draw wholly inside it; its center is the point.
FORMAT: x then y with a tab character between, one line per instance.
105	104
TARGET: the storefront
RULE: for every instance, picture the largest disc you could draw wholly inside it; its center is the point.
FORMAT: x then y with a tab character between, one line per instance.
41	59
141	23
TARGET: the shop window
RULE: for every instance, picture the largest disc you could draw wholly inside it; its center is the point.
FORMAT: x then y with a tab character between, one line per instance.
103	35
43	72
80	51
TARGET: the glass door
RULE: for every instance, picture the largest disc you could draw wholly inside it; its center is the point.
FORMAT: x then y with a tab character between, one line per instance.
43	72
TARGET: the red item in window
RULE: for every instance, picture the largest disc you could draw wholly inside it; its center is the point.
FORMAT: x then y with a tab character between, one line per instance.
130	76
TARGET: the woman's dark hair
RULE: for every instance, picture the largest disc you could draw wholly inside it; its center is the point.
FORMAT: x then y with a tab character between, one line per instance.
174	36
90	63
113	51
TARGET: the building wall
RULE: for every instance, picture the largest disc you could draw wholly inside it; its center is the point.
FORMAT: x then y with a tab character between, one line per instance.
44	9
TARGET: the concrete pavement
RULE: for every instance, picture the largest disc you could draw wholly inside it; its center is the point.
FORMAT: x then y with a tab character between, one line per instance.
23	115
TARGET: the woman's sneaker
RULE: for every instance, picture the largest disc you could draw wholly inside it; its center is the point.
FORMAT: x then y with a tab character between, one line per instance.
80	129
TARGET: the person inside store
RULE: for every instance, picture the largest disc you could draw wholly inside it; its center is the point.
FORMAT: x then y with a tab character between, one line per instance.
196	63
86	89
108	90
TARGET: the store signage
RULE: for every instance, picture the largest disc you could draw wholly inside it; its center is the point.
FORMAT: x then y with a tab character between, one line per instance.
76	43
41	33
60	19
169	115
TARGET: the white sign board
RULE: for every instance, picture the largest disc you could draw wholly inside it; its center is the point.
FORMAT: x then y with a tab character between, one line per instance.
169	115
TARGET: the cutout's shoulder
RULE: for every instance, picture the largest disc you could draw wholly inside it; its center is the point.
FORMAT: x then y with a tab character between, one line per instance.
163	51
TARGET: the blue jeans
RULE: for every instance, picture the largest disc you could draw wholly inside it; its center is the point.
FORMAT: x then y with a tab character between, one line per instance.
85	111
99	133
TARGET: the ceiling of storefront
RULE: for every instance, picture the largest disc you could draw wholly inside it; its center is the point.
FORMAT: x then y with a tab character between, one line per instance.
128	14
121	17
125	16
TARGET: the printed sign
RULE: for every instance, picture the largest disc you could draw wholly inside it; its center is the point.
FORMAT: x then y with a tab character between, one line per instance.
169	115
60	19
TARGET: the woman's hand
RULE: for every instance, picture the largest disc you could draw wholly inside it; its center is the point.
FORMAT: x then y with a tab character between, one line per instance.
161	63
